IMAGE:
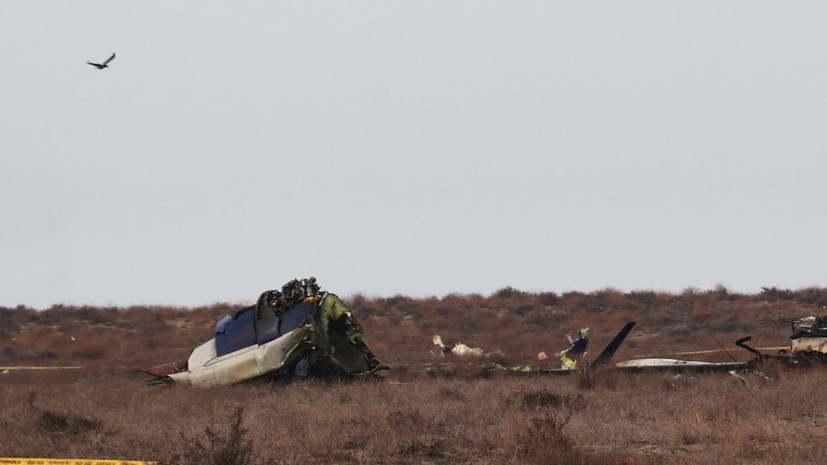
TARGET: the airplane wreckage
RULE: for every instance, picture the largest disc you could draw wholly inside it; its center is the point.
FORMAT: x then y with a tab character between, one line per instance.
808	346
290	334
301	332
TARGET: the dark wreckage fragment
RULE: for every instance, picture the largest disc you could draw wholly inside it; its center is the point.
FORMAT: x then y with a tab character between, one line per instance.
290	334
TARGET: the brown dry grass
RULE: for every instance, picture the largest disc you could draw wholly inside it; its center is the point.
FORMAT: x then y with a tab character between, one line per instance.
621	418
452	415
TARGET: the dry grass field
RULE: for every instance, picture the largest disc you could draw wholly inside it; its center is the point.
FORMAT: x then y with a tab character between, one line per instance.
429	408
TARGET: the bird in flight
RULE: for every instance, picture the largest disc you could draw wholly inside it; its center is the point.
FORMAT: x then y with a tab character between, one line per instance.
105	64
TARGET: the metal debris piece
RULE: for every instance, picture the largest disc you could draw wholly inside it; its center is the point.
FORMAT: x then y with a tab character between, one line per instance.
458	349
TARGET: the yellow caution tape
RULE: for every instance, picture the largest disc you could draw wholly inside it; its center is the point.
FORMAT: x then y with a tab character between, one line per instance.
40	368
24	461
712	351
722	350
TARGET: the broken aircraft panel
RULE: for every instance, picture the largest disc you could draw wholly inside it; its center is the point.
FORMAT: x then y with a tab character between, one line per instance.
809	335
678	364
289	334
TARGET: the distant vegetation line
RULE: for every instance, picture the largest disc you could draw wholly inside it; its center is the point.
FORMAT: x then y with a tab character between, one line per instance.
400	329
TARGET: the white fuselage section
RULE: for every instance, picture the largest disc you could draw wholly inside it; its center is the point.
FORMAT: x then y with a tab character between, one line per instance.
206	369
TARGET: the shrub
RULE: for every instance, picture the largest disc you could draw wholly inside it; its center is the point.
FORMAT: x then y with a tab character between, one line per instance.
222	448
53	422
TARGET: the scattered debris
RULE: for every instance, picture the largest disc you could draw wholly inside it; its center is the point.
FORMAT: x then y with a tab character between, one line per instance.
491	367
737	374
601	360
576	349
808	345
458	349
290	334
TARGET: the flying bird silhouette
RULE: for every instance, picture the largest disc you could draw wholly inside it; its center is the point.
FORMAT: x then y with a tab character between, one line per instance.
105	64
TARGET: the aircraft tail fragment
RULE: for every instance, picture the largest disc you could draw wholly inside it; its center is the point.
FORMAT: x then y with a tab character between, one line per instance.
610	349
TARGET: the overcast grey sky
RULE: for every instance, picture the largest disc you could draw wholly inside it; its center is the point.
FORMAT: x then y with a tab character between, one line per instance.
416	148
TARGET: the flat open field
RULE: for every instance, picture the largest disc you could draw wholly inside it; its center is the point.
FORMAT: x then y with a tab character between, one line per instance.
448	414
